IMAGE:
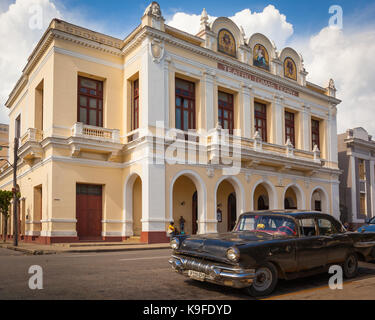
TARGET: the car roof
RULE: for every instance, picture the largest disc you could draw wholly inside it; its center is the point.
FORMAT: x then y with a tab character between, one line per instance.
292	213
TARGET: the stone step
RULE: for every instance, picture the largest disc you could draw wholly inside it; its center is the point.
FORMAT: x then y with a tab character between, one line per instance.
99	244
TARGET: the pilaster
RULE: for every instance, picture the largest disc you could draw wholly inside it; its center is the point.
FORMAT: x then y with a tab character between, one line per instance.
247	121
277	124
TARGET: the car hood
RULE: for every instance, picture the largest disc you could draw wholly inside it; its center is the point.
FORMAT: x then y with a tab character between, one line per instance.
215	246
367	228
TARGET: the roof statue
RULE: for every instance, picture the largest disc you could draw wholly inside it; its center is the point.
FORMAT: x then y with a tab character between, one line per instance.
153	10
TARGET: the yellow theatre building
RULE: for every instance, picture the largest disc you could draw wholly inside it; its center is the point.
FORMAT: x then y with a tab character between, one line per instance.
120	137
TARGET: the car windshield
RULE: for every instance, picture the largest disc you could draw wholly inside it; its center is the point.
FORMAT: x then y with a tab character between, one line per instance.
270	224
372	221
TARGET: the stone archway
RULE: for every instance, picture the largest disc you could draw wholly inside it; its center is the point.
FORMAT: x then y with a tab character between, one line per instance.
319	200
185	205
133	206
229	202
182	200
294	198
263	196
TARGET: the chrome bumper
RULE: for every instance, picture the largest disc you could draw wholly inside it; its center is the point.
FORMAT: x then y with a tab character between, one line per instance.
214	273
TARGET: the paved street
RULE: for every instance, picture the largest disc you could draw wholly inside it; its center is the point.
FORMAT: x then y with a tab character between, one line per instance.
146	275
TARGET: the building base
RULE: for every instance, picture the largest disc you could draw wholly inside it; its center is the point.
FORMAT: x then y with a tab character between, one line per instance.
154	237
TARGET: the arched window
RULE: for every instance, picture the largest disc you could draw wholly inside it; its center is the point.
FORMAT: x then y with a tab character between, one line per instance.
226	43
261	58
290	69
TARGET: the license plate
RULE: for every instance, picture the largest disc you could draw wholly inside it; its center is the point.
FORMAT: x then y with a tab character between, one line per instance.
200	276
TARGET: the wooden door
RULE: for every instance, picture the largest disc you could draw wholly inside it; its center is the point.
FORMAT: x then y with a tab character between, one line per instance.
89	212
195	213
232	211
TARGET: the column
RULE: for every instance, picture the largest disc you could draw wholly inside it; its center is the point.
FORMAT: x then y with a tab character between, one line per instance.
153	85
306	129
277	121
353	186
372	188
166	63
335	196
208	98
247	121
332	135
153	203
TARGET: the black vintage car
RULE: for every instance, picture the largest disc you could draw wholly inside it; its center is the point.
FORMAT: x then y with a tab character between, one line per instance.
267	246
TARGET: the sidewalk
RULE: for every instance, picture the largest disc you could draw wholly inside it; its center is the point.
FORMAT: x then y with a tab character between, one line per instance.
89	247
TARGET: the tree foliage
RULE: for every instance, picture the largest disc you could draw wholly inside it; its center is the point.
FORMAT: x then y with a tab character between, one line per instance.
5	199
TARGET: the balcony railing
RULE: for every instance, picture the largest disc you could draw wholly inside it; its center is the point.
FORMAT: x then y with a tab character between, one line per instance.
96	133
32	135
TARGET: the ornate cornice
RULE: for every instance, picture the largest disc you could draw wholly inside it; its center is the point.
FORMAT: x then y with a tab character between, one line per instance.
151	32
91	39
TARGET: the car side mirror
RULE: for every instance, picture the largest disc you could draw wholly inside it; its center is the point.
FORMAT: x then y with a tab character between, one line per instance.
367	221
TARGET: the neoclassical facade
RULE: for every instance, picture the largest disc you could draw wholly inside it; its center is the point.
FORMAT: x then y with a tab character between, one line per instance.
120	137
357	183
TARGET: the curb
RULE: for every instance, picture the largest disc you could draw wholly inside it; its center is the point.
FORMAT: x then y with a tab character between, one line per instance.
28	251
110	250
50	252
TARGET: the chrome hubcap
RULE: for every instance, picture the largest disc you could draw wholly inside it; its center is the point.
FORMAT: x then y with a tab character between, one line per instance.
263	279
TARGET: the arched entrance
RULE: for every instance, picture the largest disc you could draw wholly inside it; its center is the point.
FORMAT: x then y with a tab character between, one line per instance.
319	200
182	201
133	206
185	205
293	198
228	204
264	196
261	198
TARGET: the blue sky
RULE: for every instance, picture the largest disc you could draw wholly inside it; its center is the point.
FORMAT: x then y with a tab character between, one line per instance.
346	55
307	17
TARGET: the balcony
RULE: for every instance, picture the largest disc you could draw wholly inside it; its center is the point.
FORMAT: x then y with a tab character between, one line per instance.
254	153
86	138
30	146
32	135
96	133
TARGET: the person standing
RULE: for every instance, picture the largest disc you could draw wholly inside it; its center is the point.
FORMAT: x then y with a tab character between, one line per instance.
182	224
171	232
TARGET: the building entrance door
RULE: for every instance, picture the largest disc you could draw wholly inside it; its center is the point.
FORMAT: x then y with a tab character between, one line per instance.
89	212
232	211
195	213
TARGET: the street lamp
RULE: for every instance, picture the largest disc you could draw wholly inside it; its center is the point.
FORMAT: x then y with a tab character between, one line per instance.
14	190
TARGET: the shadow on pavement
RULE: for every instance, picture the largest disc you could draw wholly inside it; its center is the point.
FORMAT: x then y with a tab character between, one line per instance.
366	271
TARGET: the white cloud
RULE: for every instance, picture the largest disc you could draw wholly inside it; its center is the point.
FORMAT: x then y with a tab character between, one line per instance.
344	55
17	40
347	57
187	22
270	22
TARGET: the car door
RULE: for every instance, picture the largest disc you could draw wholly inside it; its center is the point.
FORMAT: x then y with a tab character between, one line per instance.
337	242
310	246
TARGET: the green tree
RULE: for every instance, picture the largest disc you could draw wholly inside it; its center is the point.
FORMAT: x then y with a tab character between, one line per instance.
5	199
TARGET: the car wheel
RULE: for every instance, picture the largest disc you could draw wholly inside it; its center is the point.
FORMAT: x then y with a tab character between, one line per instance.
264	282
350	267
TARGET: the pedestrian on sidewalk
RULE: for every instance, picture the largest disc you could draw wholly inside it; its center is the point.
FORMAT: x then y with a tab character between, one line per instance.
171	232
